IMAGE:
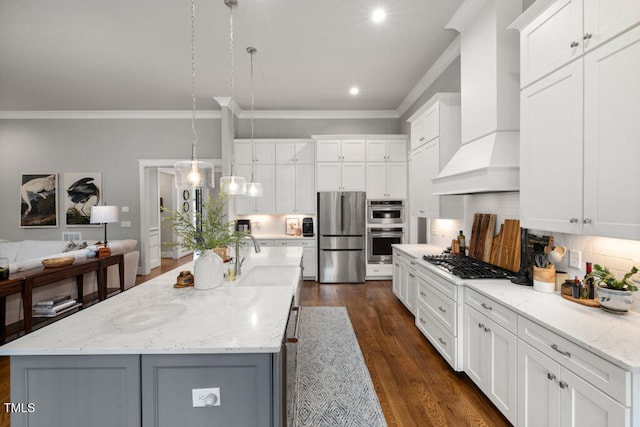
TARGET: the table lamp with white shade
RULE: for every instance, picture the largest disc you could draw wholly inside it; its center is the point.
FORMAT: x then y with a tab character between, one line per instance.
104	215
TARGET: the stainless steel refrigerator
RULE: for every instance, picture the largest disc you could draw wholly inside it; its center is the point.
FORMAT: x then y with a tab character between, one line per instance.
341	236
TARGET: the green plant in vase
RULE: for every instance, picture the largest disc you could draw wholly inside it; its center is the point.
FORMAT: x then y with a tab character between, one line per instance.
613	294
202	232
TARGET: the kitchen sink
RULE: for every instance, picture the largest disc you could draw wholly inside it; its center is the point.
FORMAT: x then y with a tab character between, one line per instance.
270	275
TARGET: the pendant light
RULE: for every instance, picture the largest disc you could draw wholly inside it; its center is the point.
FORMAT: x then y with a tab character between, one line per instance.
254	189
232	184
193	174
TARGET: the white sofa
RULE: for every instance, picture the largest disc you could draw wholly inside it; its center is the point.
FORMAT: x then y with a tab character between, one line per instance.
28	254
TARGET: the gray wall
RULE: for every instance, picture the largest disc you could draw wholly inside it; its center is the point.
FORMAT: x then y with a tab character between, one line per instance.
113	147
109	146
448	81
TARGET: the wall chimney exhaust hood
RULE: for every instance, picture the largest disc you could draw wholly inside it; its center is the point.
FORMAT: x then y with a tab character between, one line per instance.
488	158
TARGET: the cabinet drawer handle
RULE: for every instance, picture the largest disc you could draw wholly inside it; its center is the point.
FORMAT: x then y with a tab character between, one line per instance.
550	376
422	321
573	220
564	353
563	384
586	221
487	307
487	329
587	36
443	342
423	294
411	275
442	309
574	44
480	325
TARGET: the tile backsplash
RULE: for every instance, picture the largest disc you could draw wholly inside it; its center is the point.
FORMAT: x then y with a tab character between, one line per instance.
617	254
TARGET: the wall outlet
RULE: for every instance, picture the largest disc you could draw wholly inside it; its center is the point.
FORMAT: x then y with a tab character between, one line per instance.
575	258
205	397
125	224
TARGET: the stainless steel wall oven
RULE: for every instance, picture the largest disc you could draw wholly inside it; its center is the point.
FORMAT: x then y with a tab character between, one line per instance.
385	211
380	241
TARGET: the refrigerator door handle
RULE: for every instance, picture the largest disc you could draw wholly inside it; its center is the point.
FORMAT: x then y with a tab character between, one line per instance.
342	213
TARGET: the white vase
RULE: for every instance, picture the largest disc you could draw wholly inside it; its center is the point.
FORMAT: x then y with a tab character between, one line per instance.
208	270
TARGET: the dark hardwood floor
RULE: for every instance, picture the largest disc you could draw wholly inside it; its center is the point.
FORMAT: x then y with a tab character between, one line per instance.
415	386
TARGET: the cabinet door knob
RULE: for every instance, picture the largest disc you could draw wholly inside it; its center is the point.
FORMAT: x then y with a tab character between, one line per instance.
586	221
574	44
550	376
587	36
422	321
573	220
563	384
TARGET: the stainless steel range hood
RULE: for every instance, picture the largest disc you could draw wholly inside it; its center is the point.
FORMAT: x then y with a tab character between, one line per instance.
488	159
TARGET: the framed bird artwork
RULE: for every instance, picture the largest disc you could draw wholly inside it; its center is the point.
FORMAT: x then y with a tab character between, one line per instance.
81	192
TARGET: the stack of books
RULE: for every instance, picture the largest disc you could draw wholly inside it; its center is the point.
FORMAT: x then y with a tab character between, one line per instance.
54	306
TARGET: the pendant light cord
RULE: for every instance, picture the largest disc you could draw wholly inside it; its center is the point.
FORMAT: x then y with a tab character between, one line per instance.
194	136
231	5
251	51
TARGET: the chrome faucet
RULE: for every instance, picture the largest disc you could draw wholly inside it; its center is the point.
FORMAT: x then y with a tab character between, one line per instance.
238	261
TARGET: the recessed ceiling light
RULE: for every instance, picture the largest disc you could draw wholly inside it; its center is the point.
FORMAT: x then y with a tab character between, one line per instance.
354	90
378	15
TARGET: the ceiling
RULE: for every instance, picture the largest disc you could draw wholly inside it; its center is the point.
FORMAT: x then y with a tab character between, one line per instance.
136	54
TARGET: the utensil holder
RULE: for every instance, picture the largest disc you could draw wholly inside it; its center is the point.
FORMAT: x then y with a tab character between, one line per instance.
544	279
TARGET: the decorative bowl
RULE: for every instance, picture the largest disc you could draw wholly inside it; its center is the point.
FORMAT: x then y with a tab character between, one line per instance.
613	300
58	262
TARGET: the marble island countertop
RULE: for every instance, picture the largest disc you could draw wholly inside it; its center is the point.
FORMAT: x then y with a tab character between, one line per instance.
613	337
156	318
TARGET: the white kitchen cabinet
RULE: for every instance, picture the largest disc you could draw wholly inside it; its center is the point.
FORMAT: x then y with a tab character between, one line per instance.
341	176
567	29
404	279
386	150
260	152
295	188
439	314
551	395
580	125
298	151
264	174
439	140
490	351
386	180
340	150
309	254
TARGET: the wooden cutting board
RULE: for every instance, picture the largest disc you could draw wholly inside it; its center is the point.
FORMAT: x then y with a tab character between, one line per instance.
483	228
505	250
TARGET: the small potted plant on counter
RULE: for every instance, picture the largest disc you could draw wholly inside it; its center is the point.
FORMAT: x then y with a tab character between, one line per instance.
205	233
614	295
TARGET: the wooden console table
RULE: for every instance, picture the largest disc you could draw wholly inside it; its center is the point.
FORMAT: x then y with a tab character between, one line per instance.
26	281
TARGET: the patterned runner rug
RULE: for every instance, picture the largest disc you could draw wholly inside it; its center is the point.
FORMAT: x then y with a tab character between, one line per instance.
334	387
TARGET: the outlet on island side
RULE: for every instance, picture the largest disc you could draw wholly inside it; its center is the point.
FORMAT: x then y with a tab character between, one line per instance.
205	397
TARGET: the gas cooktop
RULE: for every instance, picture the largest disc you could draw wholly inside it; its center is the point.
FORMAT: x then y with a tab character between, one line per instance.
468	268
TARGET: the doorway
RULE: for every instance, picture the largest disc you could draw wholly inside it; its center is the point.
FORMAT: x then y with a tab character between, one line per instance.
156	180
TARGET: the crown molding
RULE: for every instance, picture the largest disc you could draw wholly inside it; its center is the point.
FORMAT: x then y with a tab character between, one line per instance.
109	114
320	114
450	54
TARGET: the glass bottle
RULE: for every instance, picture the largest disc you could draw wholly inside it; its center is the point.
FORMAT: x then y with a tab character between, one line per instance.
589	281
463	243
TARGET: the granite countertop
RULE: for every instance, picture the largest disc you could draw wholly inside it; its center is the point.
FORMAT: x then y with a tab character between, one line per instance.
418	250
613	337
156	318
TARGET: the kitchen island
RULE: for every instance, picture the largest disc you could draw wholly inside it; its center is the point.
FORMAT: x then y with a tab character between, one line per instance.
135	358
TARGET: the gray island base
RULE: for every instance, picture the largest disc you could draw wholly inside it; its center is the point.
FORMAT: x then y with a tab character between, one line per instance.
136	358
